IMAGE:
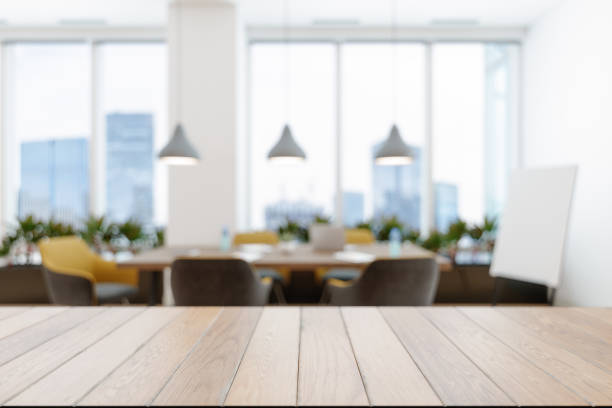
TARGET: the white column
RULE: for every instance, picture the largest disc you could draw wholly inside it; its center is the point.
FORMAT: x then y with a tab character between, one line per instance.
202	198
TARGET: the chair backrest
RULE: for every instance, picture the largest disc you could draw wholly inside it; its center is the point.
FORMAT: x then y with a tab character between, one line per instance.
359	236
216	282
68	270
258	237
66	253
392	282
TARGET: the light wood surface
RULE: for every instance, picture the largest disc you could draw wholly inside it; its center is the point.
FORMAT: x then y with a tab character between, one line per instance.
268	372
302	257
290	356
206	376
28	368
456	379
328	371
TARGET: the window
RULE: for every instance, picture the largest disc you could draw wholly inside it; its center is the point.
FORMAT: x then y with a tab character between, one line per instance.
296	191
470	130
56	164
368	99
465	135
131	117
47	130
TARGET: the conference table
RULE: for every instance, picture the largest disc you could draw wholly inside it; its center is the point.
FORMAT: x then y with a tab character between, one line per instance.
305	356
294	257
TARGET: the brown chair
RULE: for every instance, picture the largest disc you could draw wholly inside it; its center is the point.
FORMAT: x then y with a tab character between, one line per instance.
392	282
217	282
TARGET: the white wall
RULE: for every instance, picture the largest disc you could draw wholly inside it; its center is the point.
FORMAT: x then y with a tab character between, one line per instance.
568	120
202	198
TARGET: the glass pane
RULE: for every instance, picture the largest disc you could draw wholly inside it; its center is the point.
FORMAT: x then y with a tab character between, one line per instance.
296	191
133	121
471	130
370	86
47	123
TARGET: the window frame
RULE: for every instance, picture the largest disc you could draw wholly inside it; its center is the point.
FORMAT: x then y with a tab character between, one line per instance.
93	38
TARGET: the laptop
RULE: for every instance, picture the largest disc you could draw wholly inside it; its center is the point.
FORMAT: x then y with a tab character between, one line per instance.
328	238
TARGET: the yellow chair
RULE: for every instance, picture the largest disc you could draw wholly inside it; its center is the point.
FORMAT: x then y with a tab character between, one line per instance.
353	236
77	276
279	275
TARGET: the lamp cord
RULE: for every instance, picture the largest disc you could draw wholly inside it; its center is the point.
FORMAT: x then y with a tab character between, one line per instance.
179	64
287	60
394	59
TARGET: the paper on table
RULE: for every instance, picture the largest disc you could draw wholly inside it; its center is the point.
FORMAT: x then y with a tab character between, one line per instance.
354	256
246	256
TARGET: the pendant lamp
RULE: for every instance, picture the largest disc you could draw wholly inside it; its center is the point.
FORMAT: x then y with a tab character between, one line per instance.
179	150
286	150
394	151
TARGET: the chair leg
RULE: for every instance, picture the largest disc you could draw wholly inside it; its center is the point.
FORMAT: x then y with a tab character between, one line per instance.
278	293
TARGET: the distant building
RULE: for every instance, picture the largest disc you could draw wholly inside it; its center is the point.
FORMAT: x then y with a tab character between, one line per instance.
397	190
447	205
55	180
302	212
129	167
352	208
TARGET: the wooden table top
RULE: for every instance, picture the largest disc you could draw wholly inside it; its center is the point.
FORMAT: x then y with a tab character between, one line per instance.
305	355
301	257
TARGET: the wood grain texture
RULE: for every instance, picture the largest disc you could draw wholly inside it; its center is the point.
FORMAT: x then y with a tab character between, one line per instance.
557	330
455	378
604	314
40	361
19	321
140	378
525	383
7	311
268	371
18	343
590	382
328	372
595	324
389	374
71	381
205	376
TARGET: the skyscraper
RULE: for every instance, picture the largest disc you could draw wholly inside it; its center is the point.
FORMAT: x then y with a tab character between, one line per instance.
447	203
129	167
55	180
352	208
303	212
397	189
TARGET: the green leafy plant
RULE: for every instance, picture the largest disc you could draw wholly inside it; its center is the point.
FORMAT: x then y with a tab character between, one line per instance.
322	219
434	241
98	233
292	230
413	236
365	225
386	225
54	228
160	237
455	232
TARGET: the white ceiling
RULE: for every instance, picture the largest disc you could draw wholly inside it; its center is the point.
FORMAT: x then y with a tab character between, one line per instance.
269	12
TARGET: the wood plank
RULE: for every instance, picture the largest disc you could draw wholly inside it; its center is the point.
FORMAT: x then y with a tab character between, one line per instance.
518	377
18	343
559	331
36	363
456	379
7	311
29	317
595	325
328	372
268	372
71	381
205	376
389	374
590	382
601	313
138	380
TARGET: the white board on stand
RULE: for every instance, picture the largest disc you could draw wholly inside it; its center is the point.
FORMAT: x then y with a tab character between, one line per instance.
532	229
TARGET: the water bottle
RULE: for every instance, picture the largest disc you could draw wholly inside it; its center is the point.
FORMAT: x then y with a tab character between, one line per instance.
226	242
395	243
